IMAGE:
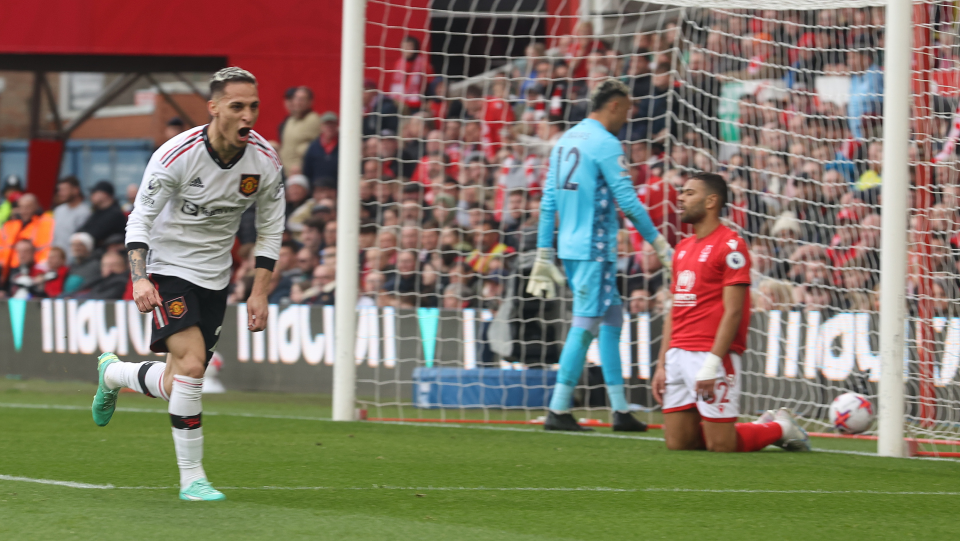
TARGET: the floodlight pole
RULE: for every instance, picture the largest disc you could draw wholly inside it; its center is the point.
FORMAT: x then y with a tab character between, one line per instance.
893	236
348	208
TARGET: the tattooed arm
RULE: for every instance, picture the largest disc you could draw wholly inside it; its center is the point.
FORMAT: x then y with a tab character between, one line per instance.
144	293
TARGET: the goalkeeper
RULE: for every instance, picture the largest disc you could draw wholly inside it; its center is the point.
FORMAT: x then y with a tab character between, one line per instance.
588	171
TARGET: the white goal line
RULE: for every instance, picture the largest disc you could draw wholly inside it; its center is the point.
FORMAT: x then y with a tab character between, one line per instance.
72	484
532	430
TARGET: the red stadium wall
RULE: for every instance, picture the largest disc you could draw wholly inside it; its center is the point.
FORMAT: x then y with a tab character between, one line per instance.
284	42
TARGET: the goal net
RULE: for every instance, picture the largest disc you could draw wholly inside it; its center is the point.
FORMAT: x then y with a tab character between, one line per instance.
785	104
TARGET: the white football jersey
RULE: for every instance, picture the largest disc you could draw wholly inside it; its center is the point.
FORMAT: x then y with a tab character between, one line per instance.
189	205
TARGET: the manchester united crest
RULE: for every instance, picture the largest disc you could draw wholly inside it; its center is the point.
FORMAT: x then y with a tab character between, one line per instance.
176	308
249	184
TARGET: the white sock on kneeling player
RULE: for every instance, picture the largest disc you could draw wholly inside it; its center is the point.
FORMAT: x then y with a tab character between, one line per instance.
145	377
185	416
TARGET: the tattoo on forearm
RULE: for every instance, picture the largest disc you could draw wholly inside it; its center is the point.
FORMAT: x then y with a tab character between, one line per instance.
138	264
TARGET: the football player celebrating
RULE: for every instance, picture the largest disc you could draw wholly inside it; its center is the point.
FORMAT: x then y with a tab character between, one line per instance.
179	237
587	173
705	333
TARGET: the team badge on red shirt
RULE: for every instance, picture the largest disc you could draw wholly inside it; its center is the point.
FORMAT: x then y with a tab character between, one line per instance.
249	184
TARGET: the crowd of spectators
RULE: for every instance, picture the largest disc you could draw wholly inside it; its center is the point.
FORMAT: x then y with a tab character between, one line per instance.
451	174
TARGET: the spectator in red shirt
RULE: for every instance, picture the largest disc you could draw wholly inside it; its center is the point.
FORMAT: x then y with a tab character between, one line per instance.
843	246
411	74
659	197
56	273
497	116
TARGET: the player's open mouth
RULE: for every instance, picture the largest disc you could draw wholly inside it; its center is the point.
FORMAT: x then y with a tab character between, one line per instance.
244	133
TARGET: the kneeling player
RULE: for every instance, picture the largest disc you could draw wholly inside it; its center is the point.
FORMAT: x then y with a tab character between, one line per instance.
697	380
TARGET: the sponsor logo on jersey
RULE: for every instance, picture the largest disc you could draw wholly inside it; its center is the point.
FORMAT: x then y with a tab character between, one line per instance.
194	209
685	281
705	253
196	183
176	308
681	254
736	260
190	208
153	186
147	200
249	184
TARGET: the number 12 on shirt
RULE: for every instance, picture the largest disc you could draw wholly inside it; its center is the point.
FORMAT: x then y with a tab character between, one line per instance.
575	153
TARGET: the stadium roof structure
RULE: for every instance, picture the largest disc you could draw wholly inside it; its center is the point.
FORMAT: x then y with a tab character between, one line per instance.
284	43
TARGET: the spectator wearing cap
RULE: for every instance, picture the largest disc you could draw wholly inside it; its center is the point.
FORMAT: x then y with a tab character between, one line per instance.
174	127
85	268
10	191
379	111
30	223
300	128
70	214
107	218
321	160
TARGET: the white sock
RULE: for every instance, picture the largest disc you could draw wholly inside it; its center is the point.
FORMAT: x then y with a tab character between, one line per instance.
185	416
145	377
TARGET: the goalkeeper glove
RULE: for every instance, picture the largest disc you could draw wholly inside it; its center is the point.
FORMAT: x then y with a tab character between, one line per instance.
545	276
664	253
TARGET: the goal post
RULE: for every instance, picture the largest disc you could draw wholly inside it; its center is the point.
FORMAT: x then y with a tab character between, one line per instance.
450	146
348	206
893	239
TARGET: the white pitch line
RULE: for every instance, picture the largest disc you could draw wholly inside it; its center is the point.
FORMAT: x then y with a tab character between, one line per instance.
531	430
71	484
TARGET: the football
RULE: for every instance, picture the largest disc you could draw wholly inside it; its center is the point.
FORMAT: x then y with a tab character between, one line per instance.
851	413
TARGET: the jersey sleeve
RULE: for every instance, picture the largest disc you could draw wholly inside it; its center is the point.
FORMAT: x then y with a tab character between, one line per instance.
735	264
156	188
270	219
613	166
548	205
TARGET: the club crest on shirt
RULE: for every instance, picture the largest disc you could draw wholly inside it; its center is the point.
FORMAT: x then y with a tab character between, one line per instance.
176	308
685	280
249	184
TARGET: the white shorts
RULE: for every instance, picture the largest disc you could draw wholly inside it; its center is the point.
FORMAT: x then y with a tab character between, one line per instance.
681	394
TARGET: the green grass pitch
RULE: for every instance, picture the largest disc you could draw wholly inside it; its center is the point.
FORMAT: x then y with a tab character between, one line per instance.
288	474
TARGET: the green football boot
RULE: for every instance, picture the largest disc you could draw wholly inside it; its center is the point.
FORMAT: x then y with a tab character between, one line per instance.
201	491
105	401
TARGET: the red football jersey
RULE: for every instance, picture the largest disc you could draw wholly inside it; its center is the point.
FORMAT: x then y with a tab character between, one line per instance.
701	269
